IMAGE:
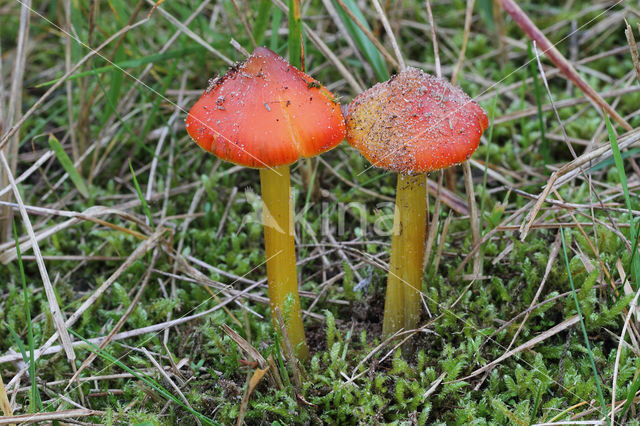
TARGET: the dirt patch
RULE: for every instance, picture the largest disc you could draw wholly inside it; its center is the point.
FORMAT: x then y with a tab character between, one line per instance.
364	315
316	337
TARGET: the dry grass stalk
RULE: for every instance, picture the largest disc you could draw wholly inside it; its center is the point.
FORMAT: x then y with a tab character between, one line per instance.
15	127
373	194
9	252
52	416
168	379
371	354
553	106
14	110
552	299
140	251
501	32
512	88
289	353
634	334
632	308
245	346
200	278
565	103
245	24
555	249
569	170
156	328
75	149
368	34
128	100
463	50
225	213
252	382
516	214
434	39
450	198
236	45
56	314
255	360
587	179
560	61
390	33
633	49
3	107
5	406
473	218
35	166
531	343
443	238
116	328
342	29
321	45
434	386
160	144
433	224
183	28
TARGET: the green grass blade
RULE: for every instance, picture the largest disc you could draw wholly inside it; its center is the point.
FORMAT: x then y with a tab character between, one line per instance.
584	330
68	167
618	161
536	405
18	342
278	356
295	34
78	20
486	12
115	86
119	9
366	47
275	26
635	262
262	21
546	155
35	403
633	389
524	130
145	206
606	164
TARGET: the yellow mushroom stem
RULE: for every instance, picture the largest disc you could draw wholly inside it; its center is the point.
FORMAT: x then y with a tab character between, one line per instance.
280	253
404	285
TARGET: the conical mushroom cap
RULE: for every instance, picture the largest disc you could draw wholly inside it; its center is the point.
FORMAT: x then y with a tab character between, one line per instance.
415	123
265	113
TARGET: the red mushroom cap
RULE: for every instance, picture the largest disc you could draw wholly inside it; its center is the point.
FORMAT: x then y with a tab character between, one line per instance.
415	123
266	113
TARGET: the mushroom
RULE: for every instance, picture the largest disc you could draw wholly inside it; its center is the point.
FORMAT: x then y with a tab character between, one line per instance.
412	124
266	114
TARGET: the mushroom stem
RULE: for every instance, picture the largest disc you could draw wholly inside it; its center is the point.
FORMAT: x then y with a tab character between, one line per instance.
404	284
277	214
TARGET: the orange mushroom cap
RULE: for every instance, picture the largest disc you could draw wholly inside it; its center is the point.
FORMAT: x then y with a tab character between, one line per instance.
266	113
415	123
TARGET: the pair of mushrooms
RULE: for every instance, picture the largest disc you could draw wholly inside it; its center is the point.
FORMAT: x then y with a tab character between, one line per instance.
266	114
